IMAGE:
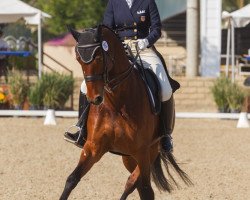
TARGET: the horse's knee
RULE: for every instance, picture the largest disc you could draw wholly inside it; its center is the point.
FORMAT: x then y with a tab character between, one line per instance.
93	151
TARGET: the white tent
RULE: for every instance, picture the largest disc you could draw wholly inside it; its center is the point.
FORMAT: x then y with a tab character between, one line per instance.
241	17
238	18
13	10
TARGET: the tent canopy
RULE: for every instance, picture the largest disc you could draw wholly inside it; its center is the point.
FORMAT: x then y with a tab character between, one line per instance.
170	8
240	17
13	10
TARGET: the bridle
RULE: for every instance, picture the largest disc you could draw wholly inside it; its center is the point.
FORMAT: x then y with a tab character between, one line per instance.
109	84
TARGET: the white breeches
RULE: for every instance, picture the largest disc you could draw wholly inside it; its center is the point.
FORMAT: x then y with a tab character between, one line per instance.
152	61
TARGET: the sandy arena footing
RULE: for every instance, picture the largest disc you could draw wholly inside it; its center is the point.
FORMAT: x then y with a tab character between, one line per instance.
35	162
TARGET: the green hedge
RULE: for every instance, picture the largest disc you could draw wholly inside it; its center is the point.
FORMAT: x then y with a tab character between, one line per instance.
228	96
51	91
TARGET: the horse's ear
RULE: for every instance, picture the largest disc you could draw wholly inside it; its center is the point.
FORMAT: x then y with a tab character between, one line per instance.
74	33
103	28
99	31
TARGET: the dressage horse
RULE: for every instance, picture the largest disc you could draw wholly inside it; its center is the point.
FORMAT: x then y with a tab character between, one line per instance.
120	118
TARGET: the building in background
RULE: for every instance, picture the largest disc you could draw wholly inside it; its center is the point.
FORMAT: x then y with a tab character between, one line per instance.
173	15
210	37
173	43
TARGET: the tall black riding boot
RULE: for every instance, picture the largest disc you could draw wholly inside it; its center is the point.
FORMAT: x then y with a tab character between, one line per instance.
78	138
168	118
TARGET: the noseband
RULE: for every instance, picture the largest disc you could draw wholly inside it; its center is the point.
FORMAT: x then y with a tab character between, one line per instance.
109	85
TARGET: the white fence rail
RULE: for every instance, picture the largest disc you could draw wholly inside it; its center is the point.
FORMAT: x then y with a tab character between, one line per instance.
183	115
37	113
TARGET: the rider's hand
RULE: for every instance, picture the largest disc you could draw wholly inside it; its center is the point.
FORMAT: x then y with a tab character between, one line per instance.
142	44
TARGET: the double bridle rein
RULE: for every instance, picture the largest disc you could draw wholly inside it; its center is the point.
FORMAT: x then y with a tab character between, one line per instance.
109	84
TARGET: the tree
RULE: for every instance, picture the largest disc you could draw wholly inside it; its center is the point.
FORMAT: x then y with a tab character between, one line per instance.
231	5
78	14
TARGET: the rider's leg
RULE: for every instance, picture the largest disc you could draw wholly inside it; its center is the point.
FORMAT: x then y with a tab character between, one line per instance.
168	117
152	61
78	137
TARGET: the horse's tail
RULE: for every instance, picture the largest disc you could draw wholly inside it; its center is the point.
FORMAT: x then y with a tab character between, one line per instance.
161	182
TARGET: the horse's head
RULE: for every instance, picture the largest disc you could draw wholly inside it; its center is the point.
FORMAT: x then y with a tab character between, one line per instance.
95	52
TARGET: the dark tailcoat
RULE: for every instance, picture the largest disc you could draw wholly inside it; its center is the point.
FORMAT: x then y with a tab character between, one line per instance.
142	20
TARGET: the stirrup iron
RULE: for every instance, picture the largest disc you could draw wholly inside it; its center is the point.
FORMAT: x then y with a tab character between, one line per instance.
79	130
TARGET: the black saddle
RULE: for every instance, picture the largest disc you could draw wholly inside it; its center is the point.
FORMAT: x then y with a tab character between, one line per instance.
153	88
152	83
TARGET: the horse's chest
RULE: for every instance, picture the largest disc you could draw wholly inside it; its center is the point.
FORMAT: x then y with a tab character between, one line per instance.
124	127
119	124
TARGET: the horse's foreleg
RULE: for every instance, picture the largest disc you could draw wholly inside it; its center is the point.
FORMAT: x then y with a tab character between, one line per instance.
131	183
71	182
144	185
88	158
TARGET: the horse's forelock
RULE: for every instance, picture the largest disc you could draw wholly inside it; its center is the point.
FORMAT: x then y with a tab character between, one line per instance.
88	44
88	36
93	38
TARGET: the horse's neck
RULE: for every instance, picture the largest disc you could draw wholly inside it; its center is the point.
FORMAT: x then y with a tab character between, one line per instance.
121	61
130	88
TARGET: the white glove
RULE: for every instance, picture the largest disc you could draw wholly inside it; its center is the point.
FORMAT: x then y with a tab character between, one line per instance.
83	87
143	44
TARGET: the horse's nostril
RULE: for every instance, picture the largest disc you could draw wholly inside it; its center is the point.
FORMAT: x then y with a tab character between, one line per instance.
98	100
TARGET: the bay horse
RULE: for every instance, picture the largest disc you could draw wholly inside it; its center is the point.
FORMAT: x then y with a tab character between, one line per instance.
120	118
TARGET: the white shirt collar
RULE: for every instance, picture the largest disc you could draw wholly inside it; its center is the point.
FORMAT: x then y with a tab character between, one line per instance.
129	2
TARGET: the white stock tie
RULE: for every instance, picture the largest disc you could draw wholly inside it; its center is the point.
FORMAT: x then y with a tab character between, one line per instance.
129	2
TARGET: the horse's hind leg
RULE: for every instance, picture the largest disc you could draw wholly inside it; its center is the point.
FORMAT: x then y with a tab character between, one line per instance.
129	162
87	159
132	180
144	185
139	178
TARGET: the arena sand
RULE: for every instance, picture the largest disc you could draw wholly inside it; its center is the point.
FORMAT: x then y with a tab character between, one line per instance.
35	162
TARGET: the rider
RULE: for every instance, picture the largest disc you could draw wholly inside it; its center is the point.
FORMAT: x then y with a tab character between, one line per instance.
139	22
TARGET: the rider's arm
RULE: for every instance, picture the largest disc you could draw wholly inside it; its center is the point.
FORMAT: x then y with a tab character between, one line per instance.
108	18
155	28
